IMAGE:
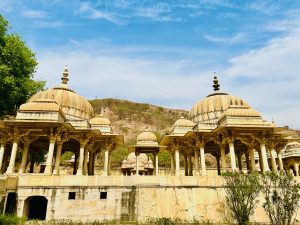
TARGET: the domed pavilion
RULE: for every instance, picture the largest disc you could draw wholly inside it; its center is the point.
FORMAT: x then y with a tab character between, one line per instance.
222	124
55	121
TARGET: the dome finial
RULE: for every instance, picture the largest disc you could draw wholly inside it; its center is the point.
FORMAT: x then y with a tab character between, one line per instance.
216	85
102	111
65	77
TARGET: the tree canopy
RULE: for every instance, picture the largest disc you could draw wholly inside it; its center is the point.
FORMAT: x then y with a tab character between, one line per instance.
17	66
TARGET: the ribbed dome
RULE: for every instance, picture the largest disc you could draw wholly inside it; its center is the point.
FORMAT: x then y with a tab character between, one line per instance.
40	105
212	107
181	122
72	104
146	136
100	120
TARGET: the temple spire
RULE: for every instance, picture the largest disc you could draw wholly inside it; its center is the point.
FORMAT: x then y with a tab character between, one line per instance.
65	78
216	85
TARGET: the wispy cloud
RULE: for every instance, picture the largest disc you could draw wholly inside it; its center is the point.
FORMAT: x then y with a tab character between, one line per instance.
33	14
92	13
47	24
238	38
6	5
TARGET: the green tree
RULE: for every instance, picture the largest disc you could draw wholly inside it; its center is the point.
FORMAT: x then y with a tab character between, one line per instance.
17	66
281	197
242	191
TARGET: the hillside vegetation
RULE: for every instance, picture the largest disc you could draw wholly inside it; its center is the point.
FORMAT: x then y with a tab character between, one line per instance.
130	119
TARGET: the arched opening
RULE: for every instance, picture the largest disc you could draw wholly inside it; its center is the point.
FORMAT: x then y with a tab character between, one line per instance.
36	156
11	203
70	156
35	208
6	157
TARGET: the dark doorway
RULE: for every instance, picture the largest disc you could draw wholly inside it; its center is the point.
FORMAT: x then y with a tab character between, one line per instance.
37	207
11	203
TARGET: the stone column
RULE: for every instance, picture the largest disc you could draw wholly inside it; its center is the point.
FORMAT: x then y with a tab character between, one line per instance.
11	166
232	157
247	161
48	169
264	157
177	162
190	165
239	156
2	149
85	160
273	160
223	158
279	156
218	165
106	156
196	156
156	164
137	164
172	164
91	155
252	159
24	156
186	172
296	167
81	155
202	161
57	158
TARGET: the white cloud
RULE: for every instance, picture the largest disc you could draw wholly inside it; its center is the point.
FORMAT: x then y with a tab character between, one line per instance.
238	38
92	13
33	14
47	24
6	5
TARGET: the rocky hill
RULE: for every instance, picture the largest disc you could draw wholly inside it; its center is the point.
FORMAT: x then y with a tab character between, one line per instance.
131	118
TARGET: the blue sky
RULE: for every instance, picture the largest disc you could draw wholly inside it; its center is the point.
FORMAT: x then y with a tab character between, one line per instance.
165	52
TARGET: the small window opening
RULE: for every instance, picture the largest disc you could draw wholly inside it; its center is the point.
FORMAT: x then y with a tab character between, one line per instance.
103	195
72	195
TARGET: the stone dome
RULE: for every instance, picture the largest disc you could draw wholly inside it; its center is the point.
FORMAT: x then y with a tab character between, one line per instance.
40	105
214	105
146	136
292	145
131	159
100	120
181	122
72	104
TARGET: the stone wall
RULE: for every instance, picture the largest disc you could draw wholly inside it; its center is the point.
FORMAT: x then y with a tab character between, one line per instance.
129	198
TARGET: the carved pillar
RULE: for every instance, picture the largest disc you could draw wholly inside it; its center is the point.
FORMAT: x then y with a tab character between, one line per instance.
172	164
48	169
273	160
279	155
11	166
156	163
177	162
202	160
196	157
239	156
2	149
81	155
24	156
248	161
57	158
252	159
90	163
186	173
190	165
296	167
223	158
264	157
232	156
218	165
137	163
106	158
85	160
